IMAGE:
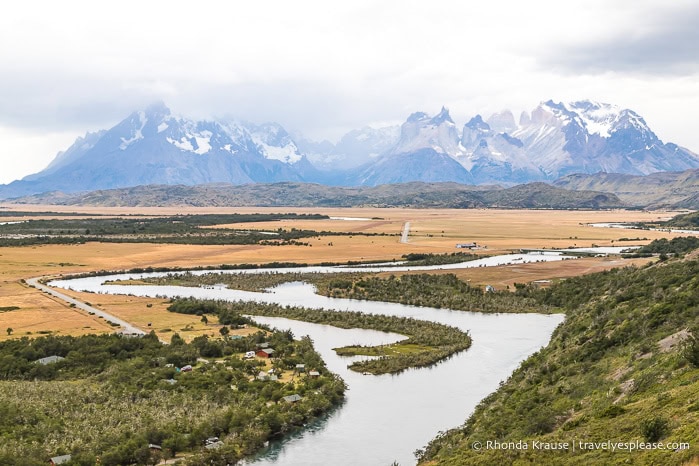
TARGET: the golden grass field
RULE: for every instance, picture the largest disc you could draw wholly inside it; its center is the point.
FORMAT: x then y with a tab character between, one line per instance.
432	230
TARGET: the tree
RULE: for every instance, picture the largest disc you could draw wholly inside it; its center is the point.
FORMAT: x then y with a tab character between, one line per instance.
176	340
9	330
224	331
205	320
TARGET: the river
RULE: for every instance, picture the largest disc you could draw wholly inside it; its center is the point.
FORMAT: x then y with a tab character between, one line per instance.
384	418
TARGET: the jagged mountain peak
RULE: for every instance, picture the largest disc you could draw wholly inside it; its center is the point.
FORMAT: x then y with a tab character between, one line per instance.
502	122
441	117
420	131
596	118
417	116
556	139
477	123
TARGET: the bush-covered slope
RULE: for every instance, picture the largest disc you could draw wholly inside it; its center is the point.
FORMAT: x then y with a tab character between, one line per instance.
109	397
623	369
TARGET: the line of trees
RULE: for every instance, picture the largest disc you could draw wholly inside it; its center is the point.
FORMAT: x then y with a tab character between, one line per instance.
429	342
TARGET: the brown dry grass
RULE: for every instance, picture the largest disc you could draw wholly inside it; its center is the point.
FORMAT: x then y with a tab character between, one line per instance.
506	276
39	312
434	231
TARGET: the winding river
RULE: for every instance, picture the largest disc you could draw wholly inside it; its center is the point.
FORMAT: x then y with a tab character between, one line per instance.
384	418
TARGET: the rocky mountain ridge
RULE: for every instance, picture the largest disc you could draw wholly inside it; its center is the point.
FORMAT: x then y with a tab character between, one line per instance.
153	146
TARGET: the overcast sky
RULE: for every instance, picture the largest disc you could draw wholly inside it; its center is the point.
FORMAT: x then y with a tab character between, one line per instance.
323	68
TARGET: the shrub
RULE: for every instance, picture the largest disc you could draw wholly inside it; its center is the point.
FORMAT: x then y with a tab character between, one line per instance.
653	429
690	350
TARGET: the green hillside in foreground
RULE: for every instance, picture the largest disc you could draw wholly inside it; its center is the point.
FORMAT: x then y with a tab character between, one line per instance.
622	369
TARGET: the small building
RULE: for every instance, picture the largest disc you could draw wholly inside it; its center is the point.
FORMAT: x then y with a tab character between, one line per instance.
466	245
300	367
60	459
264	344
292	398
49	360
314	374
154	447
265	352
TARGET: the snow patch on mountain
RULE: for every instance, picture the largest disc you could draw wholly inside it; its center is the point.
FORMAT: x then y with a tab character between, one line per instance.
183	143
288	153
137	134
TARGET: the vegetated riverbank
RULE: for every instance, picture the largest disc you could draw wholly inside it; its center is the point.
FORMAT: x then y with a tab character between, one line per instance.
688	221
184	277
427	342
428	290
623	368
109	397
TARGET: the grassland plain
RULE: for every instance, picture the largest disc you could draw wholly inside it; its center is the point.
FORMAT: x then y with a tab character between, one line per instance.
432	231
669	386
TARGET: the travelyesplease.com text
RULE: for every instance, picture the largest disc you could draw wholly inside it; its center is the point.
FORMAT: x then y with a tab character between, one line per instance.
581	445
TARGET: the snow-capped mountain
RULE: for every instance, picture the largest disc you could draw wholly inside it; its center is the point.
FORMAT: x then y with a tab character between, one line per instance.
553	141
590	137
154	146
427	150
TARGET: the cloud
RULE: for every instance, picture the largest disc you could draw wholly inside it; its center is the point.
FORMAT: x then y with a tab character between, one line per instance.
653	43
323	68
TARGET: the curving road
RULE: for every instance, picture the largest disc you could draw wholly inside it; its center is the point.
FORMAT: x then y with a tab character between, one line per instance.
126	327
